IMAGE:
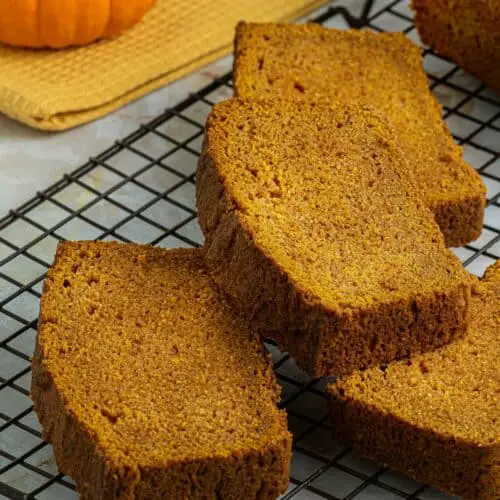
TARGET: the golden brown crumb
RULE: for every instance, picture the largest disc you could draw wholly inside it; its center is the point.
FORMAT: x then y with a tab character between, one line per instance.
383	70
435	417
316	233
147	385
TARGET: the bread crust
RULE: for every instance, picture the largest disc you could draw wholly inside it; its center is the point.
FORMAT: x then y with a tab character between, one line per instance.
258	474
454	466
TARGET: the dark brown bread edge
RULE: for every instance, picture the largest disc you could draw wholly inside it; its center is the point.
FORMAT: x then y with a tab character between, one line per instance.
258	474
238	33
469	53
454	466
460	221
75	452
321	342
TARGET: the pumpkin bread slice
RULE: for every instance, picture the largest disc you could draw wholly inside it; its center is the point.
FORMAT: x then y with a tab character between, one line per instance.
466	31
315	232
383	70
435	417
146	384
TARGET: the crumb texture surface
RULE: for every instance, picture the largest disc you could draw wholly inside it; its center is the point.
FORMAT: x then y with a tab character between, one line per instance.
169	394
436	416
316	200
309	62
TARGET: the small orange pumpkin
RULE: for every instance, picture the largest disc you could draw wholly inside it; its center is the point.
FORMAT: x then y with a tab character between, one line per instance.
63	23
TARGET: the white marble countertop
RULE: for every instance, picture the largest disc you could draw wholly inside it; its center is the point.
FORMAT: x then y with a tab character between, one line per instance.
31	160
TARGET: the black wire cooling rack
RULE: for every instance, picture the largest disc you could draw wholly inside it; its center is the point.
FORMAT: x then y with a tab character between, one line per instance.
129	191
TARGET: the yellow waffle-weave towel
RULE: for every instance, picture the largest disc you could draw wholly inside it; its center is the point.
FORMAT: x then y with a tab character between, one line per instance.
56	90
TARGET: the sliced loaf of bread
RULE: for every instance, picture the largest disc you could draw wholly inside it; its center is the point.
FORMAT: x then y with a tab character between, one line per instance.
465	31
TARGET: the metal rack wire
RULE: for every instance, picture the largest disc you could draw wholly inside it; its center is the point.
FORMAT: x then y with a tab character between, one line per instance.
155	166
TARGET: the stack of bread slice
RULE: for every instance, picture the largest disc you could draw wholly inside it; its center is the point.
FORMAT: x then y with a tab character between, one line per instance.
383	70
328	191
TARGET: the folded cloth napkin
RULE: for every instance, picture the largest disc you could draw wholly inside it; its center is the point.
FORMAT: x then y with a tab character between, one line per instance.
56	90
